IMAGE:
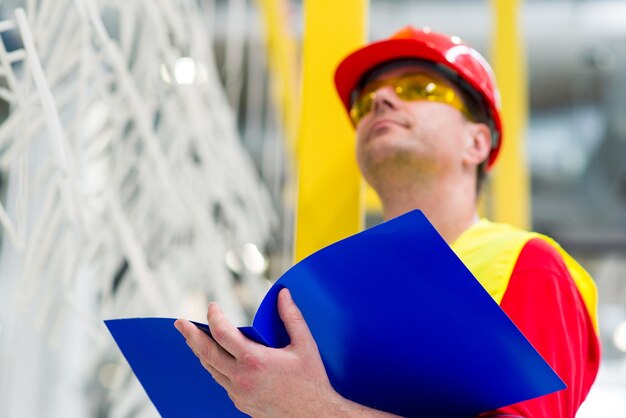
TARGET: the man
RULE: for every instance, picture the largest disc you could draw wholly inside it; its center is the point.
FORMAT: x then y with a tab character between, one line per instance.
426	111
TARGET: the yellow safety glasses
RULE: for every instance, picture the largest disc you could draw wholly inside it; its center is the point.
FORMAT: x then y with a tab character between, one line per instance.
409	87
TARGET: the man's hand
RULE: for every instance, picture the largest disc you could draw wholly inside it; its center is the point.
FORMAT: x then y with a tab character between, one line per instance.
262	381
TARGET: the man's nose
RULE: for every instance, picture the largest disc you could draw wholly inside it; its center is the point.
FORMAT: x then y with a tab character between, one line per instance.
384	99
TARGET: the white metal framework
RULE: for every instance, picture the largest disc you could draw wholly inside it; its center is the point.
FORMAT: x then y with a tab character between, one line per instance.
128	193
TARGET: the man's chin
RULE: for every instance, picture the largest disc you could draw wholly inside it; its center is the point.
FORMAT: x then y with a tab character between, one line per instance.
387	160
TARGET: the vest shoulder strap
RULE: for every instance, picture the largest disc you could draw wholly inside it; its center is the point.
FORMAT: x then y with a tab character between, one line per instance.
490	251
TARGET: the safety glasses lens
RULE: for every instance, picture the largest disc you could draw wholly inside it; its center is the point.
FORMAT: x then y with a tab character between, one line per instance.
410	87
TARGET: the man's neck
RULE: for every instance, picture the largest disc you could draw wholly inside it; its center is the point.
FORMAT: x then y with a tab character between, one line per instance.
449	205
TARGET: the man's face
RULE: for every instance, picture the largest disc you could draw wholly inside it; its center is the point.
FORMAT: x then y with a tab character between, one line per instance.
397	135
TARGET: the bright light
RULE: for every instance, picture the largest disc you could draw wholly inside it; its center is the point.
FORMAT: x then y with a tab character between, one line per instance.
185	71
253	259
619	337
232	262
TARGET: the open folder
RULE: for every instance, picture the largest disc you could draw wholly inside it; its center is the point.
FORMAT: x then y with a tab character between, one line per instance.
401	324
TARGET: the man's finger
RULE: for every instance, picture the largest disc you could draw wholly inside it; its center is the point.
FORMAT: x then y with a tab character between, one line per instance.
208	351
226	335
295	324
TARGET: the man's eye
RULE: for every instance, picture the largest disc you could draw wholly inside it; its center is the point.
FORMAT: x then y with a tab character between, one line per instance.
416	90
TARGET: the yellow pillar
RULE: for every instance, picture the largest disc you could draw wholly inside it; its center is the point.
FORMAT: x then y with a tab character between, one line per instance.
510	201
329	203
282	63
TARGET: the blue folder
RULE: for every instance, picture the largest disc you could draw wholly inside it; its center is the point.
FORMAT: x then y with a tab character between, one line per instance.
401	324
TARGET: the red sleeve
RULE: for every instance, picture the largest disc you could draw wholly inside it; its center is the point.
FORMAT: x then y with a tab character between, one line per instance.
544	303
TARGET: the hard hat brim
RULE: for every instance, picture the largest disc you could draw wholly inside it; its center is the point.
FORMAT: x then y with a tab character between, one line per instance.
356	65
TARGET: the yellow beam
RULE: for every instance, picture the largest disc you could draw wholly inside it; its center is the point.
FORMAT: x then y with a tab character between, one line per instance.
510	186
282	63
329	184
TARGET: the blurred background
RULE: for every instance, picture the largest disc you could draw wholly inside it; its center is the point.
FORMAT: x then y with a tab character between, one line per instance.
149	160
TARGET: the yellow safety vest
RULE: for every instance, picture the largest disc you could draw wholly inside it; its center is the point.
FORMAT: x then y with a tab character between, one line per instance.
490	251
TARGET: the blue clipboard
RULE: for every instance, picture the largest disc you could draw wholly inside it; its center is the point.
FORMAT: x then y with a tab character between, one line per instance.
401	324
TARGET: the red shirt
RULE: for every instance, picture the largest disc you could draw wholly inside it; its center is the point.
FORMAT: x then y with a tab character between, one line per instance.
544	303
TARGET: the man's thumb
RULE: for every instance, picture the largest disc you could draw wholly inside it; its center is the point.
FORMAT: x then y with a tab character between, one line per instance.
294	322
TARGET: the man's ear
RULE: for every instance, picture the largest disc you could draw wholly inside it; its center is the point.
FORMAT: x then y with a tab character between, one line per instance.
478	143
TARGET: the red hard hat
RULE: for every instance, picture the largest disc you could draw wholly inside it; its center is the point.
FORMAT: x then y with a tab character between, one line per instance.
424	44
